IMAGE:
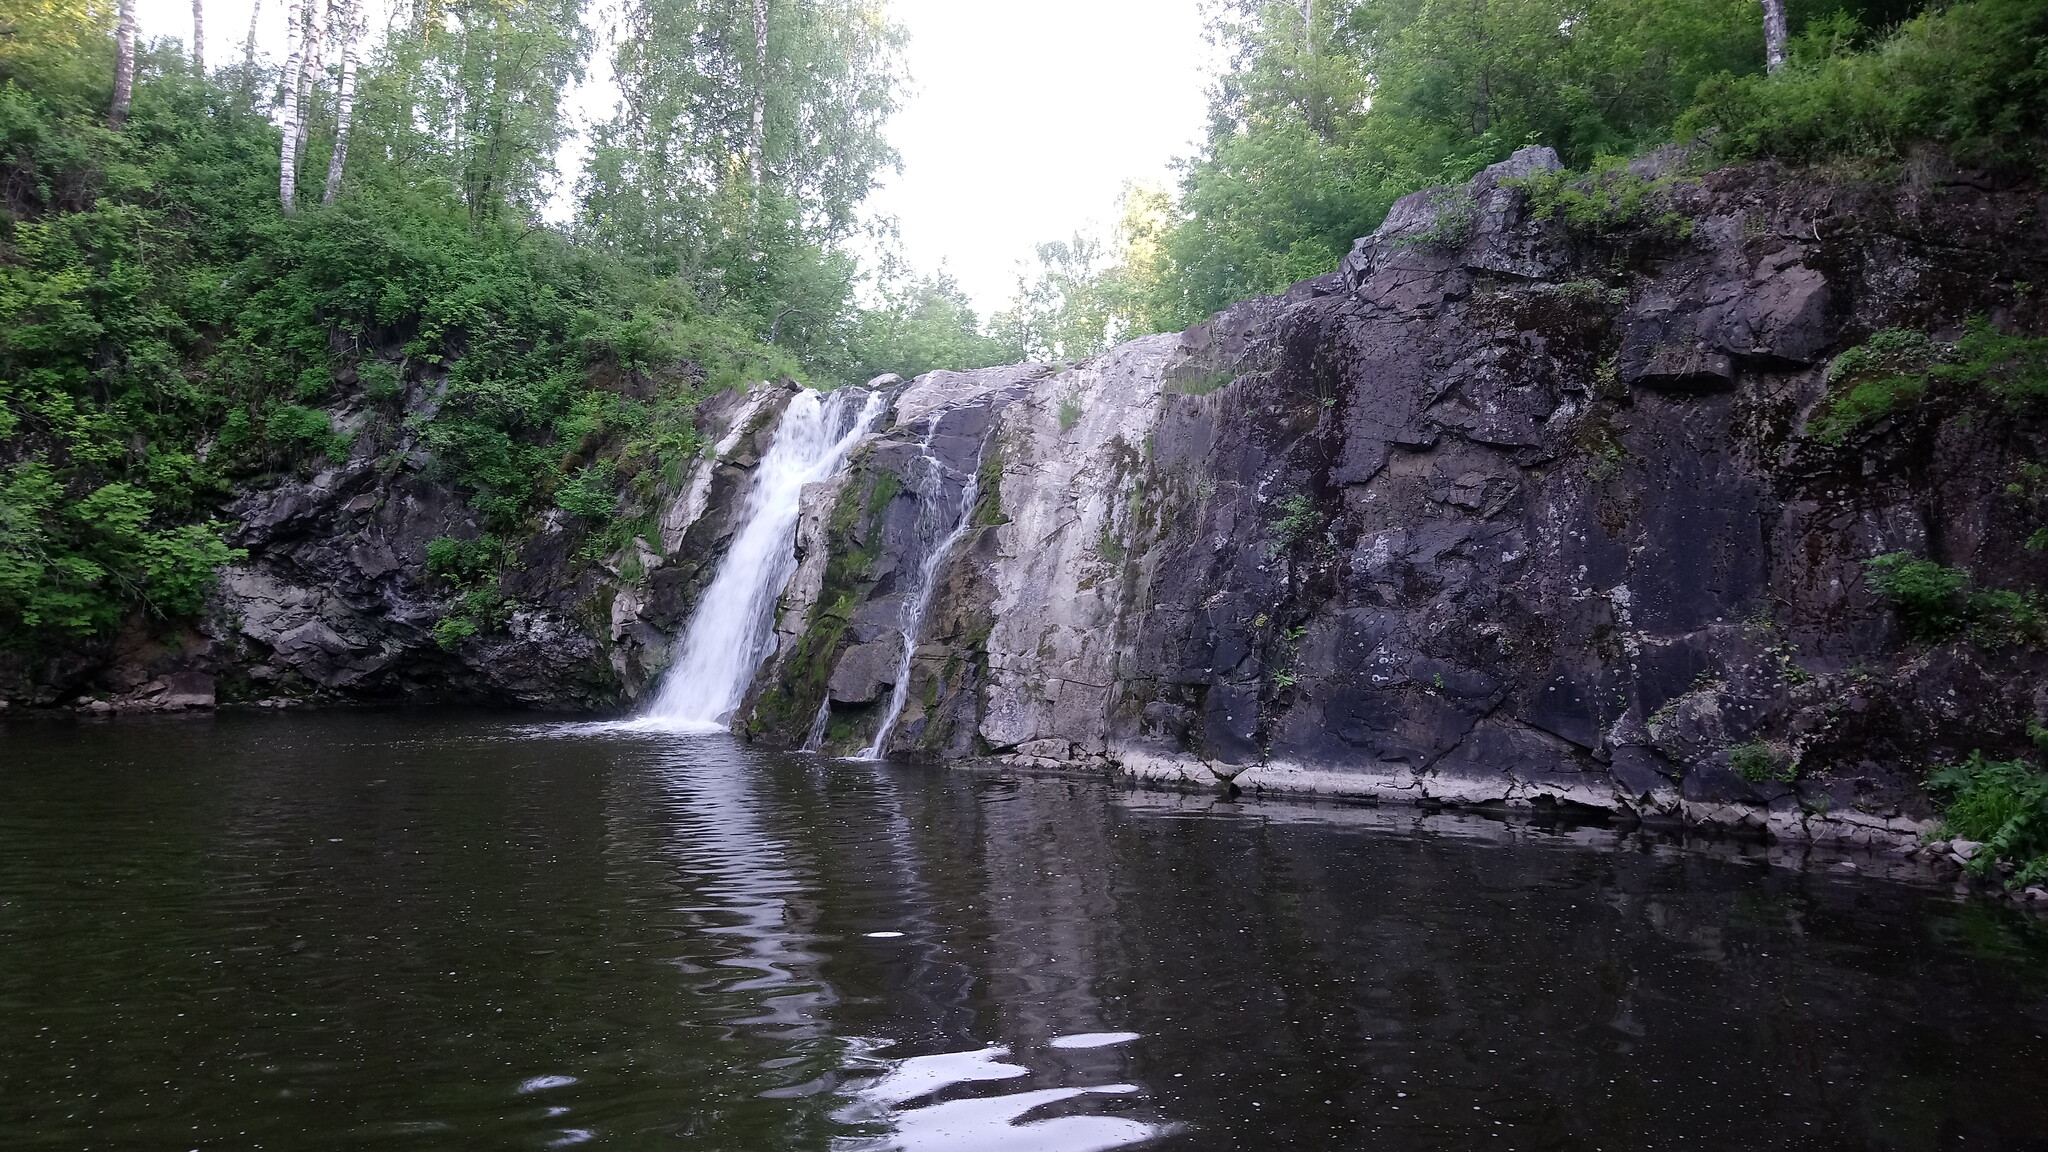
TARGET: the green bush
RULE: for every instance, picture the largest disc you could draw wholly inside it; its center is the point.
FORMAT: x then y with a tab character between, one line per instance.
1973	76
591	492
2004	805
465	561
477	611
1934	602
1897	368
1759	762
1926	595
297	429
1607	198
72	566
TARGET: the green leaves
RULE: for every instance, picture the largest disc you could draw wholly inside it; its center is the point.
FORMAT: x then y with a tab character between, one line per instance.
2003	804
1971	75
73	567
590	493
1936	602
1896	368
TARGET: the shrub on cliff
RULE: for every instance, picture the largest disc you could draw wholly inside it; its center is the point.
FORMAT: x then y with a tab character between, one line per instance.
1936	602
1896	368
1973	76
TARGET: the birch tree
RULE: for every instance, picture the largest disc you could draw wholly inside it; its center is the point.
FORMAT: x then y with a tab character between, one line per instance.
759	138
345	96
747	134
1774	35
299	30
199	36
249	45
311	68
124	66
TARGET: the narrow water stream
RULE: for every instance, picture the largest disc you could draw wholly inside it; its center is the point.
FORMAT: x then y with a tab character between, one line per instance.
430	931
941	524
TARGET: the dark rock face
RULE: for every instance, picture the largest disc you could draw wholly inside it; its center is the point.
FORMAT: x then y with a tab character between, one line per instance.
335	602
1507	513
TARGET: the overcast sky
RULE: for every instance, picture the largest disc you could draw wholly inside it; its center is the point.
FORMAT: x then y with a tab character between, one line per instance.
1024	120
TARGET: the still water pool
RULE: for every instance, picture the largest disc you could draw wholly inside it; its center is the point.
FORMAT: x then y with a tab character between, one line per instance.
420	930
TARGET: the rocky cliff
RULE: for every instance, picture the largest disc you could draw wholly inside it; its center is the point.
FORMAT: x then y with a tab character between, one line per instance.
1508	510
1547	496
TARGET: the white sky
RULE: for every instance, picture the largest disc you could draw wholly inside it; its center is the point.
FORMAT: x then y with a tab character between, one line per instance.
1024	120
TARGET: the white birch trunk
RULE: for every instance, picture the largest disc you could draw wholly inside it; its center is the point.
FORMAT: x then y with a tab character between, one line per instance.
294	68
315	64
345	97
124	66
199	36
1774	34
759	142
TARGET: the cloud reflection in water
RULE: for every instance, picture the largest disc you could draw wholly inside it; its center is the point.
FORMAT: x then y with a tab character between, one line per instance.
986	1123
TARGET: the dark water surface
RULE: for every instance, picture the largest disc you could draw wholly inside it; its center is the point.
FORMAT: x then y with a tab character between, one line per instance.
418	930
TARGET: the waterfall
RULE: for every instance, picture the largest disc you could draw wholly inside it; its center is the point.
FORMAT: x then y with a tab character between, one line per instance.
733	629
930	488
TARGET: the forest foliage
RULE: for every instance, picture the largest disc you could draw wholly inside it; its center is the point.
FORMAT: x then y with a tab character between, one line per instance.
169	327
1328	111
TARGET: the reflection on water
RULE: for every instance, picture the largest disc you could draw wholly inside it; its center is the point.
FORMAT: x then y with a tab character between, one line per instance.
414	930
982	1123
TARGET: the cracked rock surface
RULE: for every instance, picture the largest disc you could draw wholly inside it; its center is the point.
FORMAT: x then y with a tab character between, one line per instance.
1500	513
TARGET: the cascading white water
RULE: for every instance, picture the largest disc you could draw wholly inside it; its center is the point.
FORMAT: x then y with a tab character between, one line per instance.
930	487
733	629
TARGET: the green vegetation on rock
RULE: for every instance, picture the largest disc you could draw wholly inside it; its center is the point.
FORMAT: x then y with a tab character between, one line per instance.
2002	805
1935	602
1895	369
172	329
1328	113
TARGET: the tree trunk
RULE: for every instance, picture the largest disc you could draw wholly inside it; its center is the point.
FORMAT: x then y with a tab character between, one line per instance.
199	36
1774	34
759	142
315	63
296	32
249	48
345	98
124	66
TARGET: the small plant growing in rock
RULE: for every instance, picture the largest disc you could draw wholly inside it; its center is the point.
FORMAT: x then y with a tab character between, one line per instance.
1895	368
1606	463
464	561
1457	214
380	381
1070	413
1200	384
1875	379
1606	199
1759	762
591	493
1298	521
1924	593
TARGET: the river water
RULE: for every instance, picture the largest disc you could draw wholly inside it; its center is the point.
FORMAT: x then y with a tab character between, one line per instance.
436	931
